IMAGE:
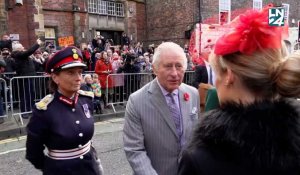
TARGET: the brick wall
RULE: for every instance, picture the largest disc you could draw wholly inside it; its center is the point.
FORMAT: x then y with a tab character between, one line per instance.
168	20
18	22
62	21
58	14
135	23
141	22
3	18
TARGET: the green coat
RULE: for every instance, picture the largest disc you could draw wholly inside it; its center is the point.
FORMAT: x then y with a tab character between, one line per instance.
212	100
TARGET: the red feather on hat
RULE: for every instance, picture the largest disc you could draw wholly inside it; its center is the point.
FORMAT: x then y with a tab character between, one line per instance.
250	32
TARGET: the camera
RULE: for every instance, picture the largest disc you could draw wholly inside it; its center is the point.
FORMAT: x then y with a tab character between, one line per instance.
51	46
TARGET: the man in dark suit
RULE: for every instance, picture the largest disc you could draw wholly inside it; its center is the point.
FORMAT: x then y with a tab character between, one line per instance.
200	75
203	74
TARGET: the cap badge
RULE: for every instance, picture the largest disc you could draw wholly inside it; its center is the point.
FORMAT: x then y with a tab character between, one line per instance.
75	55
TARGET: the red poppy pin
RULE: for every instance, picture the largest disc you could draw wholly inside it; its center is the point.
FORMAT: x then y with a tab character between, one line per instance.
186	96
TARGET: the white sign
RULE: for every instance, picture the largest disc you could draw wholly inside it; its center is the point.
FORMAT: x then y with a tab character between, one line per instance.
14	37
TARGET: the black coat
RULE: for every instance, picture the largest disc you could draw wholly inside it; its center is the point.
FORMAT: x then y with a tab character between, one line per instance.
25	64
261	139
10	64
200	76
6	44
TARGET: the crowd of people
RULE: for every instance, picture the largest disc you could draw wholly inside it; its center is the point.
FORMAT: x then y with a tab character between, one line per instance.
103	59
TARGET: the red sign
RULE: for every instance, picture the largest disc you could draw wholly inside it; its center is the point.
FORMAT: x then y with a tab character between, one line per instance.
66	41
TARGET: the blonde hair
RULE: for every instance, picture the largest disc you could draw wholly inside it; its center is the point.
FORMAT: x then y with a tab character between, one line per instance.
266	73
288	80
95	75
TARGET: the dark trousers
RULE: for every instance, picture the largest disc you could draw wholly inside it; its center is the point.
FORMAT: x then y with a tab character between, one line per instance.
103	96
1	106
97	105
118	95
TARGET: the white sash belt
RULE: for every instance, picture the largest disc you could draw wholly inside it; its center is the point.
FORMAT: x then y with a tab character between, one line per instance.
70	153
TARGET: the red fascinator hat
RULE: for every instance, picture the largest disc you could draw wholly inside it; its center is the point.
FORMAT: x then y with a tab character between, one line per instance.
250	32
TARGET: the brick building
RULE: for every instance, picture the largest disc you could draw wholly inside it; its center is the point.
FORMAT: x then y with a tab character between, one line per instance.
82	19
148	21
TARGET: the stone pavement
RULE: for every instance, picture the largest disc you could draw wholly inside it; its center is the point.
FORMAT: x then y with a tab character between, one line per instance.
13	128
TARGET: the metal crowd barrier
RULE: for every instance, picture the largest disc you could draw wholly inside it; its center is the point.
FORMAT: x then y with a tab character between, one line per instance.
124	84
9	74
4	106
24	91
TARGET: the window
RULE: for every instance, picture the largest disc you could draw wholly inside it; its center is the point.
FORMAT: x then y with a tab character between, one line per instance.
106	7
286	12
50	43
110	8
224	5
92	6
257	4
224	11
49	33
119	9
102	7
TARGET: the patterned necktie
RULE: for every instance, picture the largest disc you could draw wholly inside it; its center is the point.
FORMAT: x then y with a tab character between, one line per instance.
176	115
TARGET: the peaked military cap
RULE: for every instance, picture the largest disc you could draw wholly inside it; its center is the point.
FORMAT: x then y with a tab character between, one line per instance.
64	59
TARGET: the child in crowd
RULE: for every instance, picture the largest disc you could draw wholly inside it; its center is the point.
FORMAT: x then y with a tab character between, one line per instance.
97	92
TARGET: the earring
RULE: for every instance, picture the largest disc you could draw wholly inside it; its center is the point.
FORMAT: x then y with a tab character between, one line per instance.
227	83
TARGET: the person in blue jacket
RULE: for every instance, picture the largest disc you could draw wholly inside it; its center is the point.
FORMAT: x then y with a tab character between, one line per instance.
62	122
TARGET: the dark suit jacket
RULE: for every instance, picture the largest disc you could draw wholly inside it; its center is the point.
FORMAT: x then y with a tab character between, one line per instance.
201	76
24	64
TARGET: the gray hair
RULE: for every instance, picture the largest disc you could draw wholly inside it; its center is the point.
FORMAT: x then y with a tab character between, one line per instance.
17	47
87	76
98	55
168	46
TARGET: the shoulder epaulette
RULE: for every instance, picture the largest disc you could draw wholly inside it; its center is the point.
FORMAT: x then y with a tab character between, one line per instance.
42	105
86	93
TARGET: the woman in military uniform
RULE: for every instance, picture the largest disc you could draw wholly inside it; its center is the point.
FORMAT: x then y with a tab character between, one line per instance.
62	122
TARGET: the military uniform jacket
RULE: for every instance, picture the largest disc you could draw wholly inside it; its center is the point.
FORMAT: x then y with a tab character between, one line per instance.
60	123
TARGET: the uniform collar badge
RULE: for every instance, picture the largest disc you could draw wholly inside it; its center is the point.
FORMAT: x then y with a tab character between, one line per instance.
86	110
69	101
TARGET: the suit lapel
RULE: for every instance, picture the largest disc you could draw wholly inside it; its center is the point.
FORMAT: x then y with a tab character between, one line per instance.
159	102
184	107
